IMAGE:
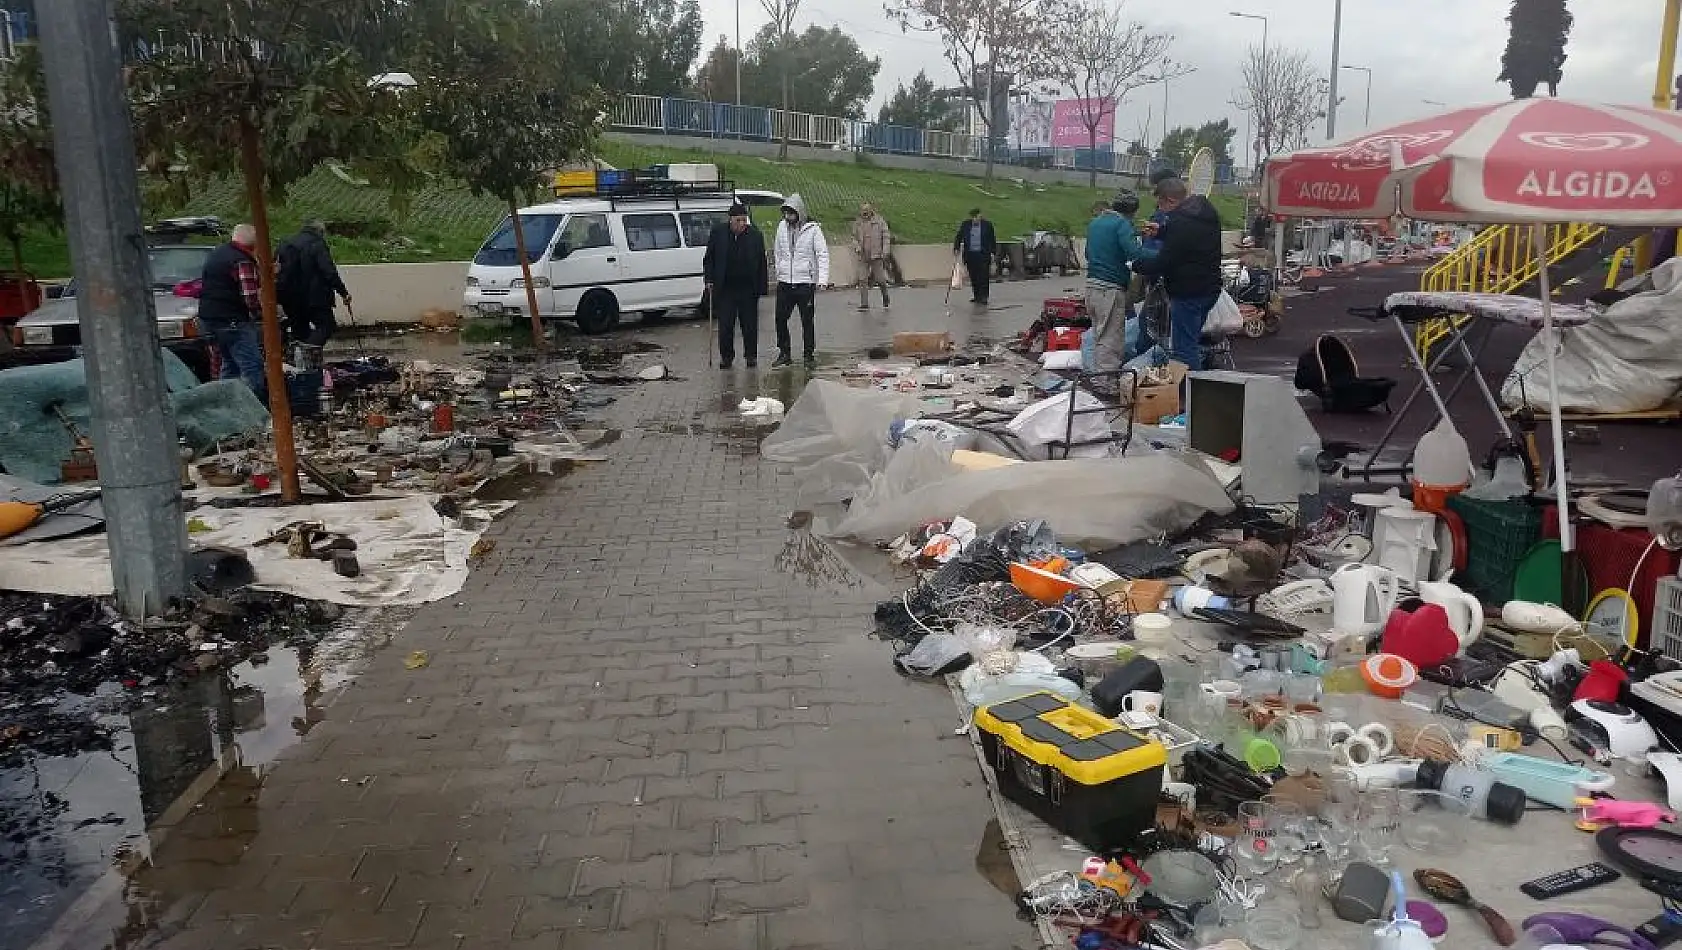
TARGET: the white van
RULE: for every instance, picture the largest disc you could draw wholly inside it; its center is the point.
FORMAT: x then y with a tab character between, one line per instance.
596	258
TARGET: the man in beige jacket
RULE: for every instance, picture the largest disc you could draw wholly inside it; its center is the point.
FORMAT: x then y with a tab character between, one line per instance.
872	242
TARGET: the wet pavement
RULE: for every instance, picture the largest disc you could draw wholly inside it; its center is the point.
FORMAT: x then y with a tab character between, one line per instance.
653	718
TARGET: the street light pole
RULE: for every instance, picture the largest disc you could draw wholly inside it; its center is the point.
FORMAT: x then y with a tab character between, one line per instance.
1261	130
1366	121
134	434
738	58
1331	97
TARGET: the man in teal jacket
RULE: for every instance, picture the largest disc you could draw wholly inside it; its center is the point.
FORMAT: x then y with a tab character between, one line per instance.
1112	245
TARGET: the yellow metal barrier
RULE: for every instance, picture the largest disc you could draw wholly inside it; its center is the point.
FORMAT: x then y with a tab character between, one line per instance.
1498	260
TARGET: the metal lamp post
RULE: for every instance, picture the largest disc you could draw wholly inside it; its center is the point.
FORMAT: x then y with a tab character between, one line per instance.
1366	119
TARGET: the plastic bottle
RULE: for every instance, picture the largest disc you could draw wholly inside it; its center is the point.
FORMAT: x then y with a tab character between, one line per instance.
1442	459
1308	885
1497	801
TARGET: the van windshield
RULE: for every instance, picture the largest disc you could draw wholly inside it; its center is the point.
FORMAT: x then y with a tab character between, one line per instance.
499	249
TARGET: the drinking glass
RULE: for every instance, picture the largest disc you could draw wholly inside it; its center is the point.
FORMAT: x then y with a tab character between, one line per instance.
1306	746
1221	920
1290	831
1381	818
1257	852
1274	926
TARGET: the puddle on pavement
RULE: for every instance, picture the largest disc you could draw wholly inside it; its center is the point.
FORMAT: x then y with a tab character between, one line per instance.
200	746
992	861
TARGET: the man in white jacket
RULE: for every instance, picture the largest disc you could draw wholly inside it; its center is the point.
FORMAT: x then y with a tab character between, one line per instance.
802	265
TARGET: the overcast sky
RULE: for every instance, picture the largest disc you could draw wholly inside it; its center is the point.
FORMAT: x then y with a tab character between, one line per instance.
1443	50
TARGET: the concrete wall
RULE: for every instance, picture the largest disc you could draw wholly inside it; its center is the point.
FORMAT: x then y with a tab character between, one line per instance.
401	293
920	163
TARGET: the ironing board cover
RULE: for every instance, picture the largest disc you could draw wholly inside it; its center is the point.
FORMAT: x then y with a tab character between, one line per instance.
1507	308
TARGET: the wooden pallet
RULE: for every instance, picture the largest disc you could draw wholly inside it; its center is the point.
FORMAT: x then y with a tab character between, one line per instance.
1670	413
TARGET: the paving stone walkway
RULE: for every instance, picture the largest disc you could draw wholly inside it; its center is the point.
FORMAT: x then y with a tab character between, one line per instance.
652	720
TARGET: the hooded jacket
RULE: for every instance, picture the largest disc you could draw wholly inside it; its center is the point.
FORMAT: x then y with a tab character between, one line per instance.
802	254
308	276
1189	260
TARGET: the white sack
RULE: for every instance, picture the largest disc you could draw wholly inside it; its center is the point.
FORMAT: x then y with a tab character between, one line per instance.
1088	502
1628	359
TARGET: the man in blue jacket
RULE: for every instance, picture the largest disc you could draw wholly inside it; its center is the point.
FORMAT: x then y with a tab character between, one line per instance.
1112	246
1189	264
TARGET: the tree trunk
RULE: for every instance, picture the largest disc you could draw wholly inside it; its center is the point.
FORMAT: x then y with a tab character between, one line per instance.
538	339
280	408
1092	143
782	153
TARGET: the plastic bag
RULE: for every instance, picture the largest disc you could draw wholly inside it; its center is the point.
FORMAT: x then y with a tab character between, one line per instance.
1225	319
933	655
1153	313
1063	359
1047	421
983	640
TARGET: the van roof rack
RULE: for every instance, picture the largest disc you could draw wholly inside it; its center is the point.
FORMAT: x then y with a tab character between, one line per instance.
630	186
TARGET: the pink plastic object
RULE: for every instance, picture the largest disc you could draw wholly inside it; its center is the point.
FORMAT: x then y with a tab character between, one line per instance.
189	288
1627	814
1429	918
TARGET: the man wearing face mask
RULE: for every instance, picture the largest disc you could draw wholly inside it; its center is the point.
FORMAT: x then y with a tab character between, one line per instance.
736	276
802	260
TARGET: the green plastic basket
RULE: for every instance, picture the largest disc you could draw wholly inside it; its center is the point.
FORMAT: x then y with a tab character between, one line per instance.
1498	535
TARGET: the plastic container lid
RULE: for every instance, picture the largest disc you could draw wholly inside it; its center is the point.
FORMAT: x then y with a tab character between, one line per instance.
1388	675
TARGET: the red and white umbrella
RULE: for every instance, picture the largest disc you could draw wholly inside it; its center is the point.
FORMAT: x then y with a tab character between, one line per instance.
1519	162
1527	161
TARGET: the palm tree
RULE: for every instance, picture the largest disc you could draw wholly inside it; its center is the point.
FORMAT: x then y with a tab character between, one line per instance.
1535	46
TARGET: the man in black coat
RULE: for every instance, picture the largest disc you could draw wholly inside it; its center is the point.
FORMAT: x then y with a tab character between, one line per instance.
1189	264
308	281
736	275
975	244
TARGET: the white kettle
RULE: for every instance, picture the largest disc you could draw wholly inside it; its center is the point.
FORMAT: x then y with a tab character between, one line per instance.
1362	597
1465	612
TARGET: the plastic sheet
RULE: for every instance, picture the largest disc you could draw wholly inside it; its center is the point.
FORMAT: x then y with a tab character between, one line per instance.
1628	359
1090	503
33	441
934	654
836	438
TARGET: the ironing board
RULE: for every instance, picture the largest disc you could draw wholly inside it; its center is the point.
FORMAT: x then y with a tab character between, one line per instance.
1490	312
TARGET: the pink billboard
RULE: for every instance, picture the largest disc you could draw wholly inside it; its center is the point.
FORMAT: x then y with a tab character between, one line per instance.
1071	120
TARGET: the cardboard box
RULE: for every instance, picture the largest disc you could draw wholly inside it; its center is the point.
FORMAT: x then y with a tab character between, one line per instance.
922	342
1155	404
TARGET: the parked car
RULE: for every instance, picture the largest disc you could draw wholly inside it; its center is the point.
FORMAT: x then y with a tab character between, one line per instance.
53	332
596	258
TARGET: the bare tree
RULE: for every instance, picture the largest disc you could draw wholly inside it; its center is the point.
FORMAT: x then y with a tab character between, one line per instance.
1101	56
1284	95
782	14
987	42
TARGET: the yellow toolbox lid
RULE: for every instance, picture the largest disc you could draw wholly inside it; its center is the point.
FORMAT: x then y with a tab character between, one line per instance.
1074	740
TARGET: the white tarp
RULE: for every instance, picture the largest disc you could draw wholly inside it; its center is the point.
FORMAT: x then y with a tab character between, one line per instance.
408	554
1628	359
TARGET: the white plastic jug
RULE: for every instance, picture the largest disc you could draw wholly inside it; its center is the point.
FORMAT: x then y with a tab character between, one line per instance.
1442	459
1465	612
1362	597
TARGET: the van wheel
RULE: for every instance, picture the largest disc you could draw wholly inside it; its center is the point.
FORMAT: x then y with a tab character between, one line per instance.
598	312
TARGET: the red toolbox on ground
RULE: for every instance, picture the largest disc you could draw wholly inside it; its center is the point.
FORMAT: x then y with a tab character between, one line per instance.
1062	338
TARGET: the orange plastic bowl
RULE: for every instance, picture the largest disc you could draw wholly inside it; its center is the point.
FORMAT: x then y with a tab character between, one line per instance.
1043	586
1388	675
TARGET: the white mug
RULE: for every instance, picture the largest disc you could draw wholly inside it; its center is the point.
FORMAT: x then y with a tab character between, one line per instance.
1142	701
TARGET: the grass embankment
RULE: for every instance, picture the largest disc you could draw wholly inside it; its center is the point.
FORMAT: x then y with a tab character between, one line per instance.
448	223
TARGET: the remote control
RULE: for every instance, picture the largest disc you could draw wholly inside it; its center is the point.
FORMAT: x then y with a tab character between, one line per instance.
1569	882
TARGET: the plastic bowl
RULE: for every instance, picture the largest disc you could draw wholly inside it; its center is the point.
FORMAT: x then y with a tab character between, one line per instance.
1043	586
1434	822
